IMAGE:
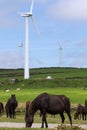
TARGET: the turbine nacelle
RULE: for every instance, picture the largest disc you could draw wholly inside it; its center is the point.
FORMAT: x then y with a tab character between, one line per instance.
25	14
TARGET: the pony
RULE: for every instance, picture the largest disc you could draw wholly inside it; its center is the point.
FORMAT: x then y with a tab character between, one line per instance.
10	106
47	103
80	111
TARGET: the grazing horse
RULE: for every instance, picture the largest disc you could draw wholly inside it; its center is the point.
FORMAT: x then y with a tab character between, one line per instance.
1	107
80	111
47	103
11	106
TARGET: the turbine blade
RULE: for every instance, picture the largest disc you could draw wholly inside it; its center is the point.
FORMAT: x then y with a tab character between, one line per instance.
35	25
31	9
22	13
59	44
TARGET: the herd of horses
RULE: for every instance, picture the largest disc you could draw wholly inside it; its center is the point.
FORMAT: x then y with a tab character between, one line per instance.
45	103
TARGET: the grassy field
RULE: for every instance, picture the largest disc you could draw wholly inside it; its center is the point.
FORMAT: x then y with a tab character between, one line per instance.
71	82
76	95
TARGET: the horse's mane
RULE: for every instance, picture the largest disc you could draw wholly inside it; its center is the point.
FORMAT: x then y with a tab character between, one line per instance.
35	103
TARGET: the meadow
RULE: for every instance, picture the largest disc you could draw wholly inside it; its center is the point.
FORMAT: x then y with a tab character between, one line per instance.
71	82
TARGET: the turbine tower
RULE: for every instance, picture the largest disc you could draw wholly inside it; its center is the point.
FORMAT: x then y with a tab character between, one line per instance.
60	54
27	15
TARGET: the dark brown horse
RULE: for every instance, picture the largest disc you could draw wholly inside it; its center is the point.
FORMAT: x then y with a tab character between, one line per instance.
47	103
80	112
11	106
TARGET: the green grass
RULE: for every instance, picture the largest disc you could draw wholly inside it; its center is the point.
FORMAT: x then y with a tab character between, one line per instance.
76	95
71	82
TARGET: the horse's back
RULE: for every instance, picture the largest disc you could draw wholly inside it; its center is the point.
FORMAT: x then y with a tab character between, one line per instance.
54	104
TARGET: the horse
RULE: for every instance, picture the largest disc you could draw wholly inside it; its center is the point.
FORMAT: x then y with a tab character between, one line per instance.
80	111
11	106
47	103
1	107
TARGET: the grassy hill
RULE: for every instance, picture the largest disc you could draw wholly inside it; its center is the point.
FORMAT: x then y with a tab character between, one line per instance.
43	72
69	81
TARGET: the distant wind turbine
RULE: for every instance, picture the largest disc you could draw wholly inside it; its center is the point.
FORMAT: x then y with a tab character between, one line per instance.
20	54
60	47
27	15
60	54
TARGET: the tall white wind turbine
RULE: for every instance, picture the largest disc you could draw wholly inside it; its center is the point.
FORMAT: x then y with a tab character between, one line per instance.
27	15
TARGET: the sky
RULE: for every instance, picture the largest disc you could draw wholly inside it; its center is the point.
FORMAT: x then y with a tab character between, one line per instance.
62	41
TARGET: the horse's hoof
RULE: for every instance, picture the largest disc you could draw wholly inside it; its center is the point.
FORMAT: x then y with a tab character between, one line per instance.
42	127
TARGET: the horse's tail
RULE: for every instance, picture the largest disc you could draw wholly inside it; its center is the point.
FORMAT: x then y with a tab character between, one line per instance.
68	108
67	103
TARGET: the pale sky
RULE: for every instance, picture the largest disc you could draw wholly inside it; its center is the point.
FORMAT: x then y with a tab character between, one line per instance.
60	22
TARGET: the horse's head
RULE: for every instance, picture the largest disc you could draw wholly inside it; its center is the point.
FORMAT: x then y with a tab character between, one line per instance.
76	116
13	96
29	115
29	120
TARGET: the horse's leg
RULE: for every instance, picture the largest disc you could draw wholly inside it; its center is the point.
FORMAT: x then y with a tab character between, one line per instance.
13	112
42	126
70	119
82	116
10	113
46	125
85	116
62	117
44	120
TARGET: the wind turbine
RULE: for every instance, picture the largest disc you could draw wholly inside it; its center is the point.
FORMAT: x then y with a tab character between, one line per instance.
60	54
27	15
20	54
